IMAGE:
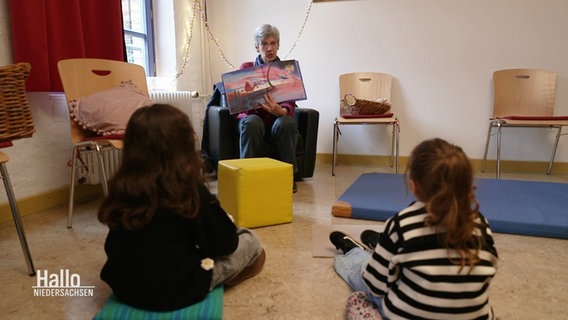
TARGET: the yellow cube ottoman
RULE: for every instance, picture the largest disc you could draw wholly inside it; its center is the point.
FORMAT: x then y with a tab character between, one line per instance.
257	192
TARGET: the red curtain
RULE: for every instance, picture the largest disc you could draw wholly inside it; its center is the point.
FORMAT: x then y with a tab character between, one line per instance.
46	31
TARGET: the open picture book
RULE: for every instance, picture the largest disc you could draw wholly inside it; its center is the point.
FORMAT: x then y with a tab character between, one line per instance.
245	89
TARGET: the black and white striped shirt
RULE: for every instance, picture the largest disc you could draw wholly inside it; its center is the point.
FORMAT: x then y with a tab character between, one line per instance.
413	273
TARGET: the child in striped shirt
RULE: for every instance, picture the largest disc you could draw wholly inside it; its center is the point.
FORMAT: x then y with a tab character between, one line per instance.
435	258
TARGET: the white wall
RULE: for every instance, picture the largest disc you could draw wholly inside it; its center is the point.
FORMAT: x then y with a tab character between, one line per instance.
176	35
441	52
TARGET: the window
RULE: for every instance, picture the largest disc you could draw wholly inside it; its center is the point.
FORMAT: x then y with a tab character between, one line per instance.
139	33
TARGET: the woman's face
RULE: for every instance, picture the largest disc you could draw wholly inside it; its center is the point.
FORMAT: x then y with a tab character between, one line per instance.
268	49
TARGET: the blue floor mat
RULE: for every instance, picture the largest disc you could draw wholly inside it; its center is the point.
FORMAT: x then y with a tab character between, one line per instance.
511	206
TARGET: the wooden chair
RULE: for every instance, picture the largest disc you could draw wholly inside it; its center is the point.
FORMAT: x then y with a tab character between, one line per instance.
523	98
81	78
16	122
368	86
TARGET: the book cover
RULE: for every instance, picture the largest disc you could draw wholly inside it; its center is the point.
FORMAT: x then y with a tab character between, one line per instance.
245	88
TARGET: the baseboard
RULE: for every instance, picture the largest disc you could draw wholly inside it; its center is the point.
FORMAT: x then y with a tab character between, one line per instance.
506	165
359	160
48	200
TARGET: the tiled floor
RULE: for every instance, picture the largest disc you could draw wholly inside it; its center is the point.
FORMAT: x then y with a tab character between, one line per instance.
532	282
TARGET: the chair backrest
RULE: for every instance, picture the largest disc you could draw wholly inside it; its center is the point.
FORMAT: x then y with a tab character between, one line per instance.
524	92
83	77
365	85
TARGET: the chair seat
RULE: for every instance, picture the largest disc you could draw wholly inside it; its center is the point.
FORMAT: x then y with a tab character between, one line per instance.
524	121
102	141
534	118
367	116
3	157
388	120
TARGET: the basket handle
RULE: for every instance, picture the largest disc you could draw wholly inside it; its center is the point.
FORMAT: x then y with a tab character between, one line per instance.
349	99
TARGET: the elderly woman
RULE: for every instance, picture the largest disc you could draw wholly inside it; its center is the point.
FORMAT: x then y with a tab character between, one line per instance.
273	124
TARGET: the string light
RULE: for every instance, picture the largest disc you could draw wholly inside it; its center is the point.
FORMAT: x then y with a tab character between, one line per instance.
189	37
212	37
308	9
196	8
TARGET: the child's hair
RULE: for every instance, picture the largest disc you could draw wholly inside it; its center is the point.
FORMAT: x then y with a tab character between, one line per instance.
443	179
160	170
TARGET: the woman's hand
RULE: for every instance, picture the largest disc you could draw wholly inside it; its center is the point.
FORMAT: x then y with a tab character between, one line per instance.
271	106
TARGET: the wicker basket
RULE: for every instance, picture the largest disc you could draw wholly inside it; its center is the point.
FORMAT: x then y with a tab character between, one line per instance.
15	114
364	107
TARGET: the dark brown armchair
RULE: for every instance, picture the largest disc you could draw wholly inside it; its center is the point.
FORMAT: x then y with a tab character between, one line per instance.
220	139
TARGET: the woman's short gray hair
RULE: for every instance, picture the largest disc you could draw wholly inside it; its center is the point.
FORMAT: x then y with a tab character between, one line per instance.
264	31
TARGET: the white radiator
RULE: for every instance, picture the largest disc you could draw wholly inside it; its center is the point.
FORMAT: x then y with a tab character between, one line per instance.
88	169
187	102
184	100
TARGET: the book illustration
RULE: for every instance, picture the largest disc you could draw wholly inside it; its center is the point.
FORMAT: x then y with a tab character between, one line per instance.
245	89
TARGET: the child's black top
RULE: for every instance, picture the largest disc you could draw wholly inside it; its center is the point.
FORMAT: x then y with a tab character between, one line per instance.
159	267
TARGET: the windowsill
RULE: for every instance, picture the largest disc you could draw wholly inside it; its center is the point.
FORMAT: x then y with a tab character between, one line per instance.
159	84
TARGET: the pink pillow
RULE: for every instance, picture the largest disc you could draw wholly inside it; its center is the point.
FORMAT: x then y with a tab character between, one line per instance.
107	112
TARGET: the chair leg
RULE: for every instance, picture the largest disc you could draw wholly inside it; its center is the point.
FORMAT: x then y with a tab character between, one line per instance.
392	145
334	148
102	171
396	140
17	218
558	134
498	174
484	162
72	181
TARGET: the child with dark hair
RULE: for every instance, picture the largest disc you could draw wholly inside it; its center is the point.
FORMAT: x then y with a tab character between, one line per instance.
436	258
169	240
